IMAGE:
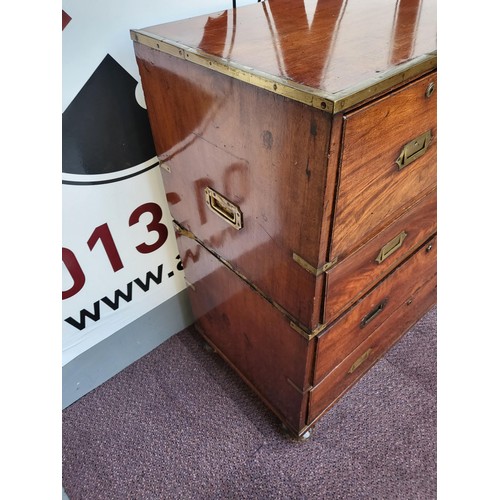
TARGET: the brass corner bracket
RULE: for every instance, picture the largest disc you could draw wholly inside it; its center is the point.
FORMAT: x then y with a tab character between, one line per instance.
316	271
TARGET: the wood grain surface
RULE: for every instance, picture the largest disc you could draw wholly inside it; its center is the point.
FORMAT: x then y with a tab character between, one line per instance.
352	277
372	190
324	395
373	309
251	335
266	154
328	45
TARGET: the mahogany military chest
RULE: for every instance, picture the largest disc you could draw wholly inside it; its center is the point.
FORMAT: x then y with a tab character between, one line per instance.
297	143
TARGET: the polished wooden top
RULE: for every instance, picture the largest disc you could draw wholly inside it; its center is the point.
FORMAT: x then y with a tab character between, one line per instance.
327	45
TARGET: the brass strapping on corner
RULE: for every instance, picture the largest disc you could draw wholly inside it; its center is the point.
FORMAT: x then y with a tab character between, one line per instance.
397	75
183	232
311	269
281	86
165	166
156	42
306	333
319	99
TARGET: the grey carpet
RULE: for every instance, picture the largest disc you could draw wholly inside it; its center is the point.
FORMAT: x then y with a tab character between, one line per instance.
178	424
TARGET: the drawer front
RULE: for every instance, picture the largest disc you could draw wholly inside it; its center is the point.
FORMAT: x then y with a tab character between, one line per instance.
354	276
325	394
355	326
388	163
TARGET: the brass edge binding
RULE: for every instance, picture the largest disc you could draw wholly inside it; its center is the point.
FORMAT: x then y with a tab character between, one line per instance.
325	101
182	231
311	269
384	81
281	86
165	166
309	335
304	332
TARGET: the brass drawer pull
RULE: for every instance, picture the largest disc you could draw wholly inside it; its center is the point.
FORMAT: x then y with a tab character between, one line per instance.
413	150
224	208
390	247
373	314
360	360
430	89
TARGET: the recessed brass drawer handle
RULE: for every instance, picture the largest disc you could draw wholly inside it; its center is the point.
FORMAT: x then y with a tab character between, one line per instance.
391	246
360	360
413	150
373	313
430	89
224	208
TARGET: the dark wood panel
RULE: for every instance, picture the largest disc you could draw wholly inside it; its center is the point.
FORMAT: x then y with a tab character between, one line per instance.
351	278
371	311
264	153
250	334
373	191
326	44
353	367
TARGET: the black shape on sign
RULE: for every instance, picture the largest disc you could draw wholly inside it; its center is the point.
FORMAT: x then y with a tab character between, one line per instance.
104	129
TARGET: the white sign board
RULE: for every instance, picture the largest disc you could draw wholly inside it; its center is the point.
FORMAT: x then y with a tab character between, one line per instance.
119	257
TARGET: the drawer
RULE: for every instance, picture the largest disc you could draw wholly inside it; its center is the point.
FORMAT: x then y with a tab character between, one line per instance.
347	373
357	324
353	277
388	163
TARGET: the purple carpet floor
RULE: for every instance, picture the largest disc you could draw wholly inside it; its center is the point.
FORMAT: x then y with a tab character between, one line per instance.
179	424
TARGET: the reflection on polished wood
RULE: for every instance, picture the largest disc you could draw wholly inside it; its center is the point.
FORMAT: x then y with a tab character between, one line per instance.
404	30
347	43
295	33
242	150
277	159
214	34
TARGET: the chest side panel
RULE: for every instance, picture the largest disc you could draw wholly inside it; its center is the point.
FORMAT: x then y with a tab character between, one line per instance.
267	155
250	334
